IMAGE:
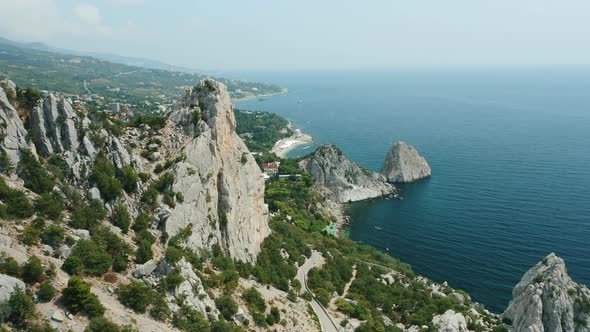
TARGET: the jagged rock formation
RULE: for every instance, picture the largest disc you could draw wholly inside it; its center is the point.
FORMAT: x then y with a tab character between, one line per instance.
193	292
404	164
342	180
13	135
450	321
546	299
58	129
222	185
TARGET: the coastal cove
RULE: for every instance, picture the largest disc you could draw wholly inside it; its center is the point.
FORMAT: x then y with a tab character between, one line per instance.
509	155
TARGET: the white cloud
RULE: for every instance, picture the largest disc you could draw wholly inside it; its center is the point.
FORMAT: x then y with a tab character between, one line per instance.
88	14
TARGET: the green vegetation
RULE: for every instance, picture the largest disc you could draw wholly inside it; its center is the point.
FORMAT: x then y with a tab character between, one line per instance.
87	257
103	176
121	218
78	298
136	295
18	310
33	174
261	130
16	204
32	270
226	306
46	292
50	205
88	215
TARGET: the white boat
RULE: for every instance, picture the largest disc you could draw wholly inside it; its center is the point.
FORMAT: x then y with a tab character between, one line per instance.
300	101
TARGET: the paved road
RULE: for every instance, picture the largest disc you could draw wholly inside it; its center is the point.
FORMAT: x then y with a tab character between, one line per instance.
328	325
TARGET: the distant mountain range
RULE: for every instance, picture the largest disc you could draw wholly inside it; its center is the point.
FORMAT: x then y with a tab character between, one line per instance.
126	60
114	78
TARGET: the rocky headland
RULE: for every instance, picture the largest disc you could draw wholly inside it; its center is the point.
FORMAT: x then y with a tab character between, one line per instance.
342	180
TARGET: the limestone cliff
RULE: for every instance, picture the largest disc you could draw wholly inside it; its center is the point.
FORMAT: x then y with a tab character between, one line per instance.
222	185
404	164
342	180
13	135
546	299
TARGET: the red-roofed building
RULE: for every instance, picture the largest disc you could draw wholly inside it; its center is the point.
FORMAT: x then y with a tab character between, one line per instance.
271	168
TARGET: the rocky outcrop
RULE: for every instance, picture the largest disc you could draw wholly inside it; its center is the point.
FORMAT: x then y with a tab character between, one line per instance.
13	135
53	124
58	129
450	321
192	291
222	185
8	285
546	299
404	164
342	180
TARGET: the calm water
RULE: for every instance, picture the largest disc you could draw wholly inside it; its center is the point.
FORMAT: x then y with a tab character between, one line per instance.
510	154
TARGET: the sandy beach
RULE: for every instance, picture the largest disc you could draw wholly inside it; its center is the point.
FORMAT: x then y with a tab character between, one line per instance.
282	147
283	91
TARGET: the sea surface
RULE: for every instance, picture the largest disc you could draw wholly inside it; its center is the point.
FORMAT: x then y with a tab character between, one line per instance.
510	155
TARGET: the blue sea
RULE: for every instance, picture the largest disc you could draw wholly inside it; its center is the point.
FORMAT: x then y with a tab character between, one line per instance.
510	155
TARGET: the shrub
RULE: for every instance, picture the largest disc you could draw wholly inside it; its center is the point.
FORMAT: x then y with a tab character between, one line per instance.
35	177
50	205
160	310
254	300
144	252
20	308
28	97
136	295
17	205
121	218
103	176
88	215
32	270
53	235
30	235
87	257
78	298
227	306
9	265
46	292
129	179
6	166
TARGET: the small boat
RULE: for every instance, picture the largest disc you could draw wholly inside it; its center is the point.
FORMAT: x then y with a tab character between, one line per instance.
300	101
377	227
307	147
386	248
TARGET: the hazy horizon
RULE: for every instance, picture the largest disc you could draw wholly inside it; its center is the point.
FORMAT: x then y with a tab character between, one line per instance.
256	35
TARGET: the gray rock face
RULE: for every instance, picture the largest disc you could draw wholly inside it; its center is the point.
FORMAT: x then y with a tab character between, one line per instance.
341	179
54	126
192	291
223	196
546	299
7	285
13	135
58	129
404	164
450	321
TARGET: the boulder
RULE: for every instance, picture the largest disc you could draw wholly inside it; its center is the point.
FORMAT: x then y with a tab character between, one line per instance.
8	285
450	321
57	316
145	269
94	193
404	164
83	234
192	291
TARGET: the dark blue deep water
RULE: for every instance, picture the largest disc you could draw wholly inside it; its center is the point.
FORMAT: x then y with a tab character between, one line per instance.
510	154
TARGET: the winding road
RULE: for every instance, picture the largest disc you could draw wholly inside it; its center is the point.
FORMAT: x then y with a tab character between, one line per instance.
316	260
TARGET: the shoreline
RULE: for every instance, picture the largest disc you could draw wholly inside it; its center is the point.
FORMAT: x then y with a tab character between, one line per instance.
283	146
283	91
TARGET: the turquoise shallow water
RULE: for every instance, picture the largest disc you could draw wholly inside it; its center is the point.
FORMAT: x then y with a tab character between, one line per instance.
510	154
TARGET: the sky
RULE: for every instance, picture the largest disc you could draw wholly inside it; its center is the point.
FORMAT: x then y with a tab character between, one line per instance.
311	34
